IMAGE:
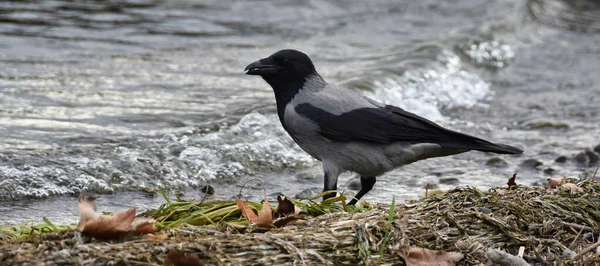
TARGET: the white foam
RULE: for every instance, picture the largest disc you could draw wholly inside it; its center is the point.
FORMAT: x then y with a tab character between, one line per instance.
256	143
427	91
489	53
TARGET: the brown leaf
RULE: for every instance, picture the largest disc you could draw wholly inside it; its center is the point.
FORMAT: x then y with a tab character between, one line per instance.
287	220
511	181
415	256
403	222
286	207
287	212
144	226
265	215
179	258
572	187
108	226
553	182
158	237
246	211
500	191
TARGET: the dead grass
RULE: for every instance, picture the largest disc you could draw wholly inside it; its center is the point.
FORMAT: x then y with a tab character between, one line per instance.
553	226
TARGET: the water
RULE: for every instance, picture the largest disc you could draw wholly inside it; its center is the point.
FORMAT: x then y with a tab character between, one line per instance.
118	98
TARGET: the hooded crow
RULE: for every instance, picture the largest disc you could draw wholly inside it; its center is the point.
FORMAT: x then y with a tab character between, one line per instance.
350	132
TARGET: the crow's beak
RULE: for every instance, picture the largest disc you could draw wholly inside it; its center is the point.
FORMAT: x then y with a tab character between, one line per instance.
261	67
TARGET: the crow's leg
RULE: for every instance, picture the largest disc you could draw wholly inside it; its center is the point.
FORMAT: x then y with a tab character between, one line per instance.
331	173
366	184
330	184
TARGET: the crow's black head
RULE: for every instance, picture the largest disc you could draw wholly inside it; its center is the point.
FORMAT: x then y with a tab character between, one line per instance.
284	69
287	71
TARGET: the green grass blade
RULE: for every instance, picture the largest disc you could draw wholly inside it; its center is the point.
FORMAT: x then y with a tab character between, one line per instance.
388	228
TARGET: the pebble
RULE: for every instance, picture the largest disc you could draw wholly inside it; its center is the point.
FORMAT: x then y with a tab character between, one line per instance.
63	253
531	164
149	192
208	189
308	193
497	162
448	172
561	159
549	171
354	184
484	210
587	158
449	181
310	175
568	254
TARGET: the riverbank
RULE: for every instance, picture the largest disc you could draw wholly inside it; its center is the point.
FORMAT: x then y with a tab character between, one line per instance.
547	225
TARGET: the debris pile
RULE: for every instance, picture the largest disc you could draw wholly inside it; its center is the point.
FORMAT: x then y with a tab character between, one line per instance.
516	225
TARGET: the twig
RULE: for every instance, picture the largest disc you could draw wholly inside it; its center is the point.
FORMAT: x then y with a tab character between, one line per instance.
363	245
589	259
317	255
537	254
206	193
584	251
216	256
254	179
499	257
288	246
578	226
591	180
576	237
131	261
427	190
521	252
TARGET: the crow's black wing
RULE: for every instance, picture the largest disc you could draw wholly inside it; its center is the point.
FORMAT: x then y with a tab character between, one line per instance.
392	124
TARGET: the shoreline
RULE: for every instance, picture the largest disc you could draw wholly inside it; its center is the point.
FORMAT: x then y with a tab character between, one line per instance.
550	225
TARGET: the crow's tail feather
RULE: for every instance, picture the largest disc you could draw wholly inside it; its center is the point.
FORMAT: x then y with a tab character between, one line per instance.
464	141
499	148
485	146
